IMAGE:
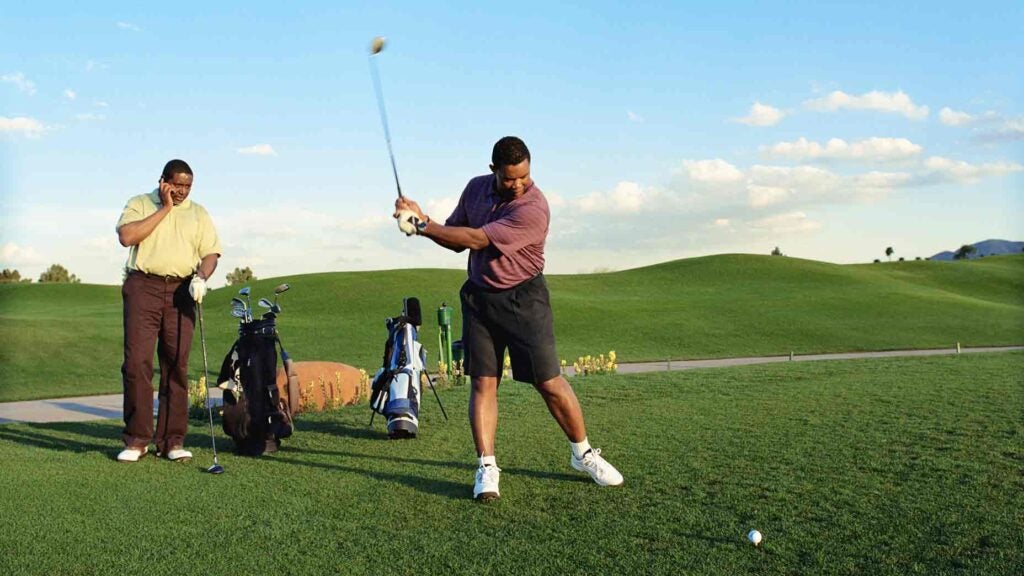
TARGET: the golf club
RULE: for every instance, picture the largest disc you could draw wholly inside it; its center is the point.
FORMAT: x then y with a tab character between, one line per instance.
264	303
375	47
248	302
216	468
279	290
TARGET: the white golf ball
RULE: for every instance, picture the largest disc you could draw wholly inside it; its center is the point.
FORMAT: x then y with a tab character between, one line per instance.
755	537
377	45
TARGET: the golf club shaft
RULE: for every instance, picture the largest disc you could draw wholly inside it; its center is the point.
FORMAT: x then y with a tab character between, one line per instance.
206	381
384	120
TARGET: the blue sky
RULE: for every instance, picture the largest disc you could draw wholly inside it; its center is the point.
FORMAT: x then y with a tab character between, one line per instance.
659	130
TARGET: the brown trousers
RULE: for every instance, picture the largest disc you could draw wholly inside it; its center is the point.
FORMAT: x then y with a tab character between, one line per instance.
156	309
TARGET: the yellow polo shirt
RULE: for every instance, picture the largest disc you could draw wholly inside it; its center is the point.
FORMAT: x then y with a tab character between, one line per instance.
179	242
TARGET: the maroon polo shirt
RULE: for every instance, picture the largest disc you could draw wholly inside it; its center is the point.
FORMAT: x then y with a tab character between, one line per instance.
517	230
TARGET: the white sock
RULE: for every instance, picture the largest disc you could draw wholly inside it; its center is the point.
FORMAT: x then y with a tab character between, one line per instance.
580	448
488	461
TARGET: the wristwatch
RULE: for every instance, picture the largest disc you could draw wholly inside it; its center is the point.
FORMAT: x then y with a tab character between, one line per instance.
421	225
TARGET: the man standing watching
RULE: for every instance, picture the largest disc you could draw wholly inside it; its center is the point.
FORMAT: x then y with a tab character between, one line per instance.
502	218
173	250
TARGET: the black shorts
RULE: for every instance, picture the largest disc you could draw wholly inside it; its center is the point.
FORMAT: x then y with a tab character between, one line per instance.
518	319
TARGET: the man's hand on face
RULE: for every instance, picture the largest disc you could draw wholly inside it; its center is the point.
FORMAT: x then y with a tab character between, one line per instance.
165	193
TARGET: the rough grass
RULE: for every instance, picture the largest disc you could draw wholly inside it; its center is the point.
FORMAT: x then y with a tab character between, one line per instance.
66	340
886	466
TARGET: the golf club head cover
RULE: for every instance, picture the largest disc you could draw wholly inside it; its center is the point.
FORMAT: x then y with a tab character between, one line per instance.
412	311
407	221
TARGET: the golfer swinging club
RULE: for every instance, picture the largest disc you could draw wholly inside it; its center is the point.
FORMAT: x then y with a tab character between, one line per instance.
173	250
503	219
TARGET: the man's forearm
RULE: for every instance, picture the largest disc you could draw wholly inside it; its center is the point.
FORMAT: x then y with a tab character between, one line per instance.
133	233
456	238
208	266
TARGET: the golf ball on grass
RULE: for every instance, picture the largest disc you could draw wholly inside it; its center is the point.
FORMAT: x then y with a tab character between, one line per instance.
755	537
377	45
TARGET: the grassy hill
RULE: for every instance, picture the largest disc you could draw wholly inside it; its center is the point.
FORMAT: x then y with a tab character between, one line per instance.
62	340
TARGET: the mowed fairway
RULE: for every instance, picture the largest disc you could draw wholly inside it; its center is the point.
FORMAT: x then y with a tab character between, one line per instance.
65	340
888	466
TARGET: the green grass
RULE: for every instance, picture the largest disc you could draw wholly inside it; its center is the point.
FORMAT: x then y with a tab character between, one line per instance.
66	340
887	466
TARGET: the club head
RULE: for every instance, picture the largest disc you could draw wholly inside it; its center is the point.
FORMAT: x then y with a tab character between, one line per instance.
276	308
238	313
264	303
236	301
281	288
244	291
215	469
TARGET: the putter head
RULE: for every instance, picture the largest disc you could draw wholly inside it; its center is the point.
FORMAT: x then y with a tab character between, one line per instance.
215	469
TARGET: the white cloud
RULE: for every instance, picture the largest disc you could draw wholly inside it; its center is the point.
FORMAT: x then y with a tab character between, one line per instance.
101	103
12	254
633	116
626	198
881	180
1011	130
23	84
873	149
941	169
786	223
258	150
797	179
761	196
762	115
70	94
951	117
90	117
892	102
22	125
716	171
128	26
721	223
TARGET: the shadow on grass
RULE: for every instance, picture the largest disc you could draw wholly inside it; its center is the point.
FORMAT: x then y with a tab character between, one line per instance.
435	486
55	436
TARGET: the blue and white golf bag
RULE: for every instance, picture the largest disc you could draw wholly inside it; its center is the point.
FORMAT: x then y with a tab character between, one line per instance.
396	388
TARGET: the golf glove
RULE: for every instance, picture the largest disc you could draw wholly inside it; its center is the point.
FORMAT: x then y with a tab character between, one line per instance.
407	221
197	289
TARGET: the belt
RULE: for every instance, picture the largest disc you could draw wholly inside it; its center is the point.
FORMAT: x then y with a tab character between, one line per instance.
166	279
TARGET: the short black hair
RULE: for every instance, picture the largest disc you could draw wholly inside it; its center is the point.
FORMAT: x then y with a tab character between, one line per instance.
509	151
176	167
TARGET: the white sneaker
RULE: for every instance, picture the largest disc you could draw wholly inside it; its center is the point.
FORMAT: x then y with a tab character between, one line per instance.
599	469
132	454
176	454
486	487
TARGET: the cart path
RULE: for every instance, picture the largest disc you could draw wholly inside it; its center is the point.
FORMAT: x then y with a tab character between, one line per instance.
82	408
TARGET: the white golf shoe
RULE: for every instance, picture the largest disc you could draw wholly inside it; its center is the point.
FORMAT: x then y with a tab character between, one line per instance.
132	454
176	454
486	487
599	469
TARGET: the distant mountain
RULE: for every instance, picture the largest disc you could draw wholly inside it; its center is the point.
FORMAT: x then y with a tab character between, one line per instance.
986	248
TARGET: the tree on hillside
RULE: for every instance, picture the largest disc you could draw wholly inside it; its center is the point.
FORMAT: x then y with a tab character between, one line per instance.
964	252
10	276
240	276
777	252
58	274
888	253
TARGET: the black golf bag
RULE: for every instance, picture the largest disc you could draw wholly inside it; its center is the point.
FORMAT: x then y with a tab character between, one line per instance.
255	416
396	388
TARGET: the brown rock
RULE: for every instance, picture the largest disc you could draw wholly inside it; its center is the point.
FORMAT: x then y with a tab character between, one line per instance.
320	385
